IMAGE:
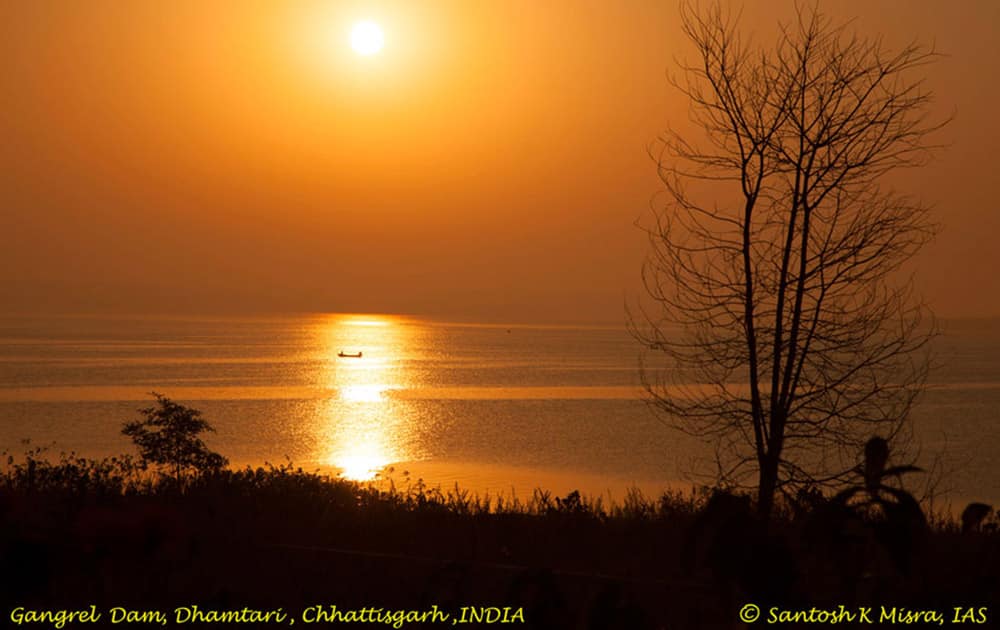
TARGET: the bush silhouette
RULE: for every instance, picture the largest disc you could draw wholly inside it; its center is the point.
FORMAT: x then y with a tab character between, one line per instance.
167	436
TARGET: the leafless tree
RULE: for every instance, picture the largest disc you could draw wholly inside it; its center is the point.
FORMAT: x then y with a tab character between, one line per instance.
790	334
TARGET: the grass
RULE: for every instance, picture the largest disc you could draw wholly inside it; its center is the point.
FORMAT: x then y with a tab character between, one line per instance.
77	531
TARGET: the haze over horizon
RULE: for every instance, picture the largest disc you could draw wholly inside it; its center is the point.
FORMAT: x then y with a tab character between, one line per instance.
488	164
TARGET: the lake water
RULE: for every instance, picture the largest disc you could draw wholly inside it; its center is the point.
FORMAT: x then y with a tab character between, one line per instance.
493	407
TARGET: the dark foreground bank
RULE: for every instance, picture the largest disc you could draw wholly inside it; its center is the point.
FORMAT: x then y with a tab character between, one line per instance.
107	538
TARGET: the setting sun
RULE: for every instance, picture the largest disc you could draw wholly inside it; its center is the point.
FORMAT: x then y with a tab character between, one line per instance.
367	38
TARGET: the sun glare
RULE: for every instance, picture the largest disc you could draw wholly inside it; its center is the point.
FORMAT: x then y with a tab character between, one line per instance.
361	466
367	38
363	393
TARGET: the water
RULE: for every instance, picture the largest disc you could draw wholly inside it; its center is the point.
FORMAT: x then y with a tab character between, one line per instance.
490	407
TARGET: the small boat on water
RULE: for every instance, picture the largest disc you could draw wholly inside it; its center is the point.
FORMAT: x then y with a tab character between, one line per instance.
349	355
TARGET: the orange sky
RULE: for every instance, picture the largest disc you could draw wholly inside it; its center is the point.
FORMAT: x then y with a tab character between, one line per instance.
238	157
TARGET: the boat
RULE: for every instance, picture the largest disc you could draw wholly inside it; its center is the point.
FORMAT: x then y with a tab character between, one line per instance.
349	355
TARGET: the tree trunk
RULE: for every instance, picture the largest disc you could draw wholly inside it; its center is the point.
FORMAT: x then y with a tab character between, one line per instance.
767	484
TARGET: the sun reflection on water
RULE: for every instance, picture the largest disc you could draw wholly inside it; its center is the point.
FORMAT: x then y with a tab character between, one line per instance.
361	466
364	393
365	432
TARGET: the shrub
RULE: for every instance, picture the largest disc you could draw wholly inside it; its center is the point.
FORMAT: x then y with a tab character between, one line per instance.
167	437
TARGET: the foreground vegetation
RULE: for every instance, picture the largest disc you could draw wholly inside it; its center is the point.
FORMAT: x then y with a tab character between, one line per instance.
77	531
176	527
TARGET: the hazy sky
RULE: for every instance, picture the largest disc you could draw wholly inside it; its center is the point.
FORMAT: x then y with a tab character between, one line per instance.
490	162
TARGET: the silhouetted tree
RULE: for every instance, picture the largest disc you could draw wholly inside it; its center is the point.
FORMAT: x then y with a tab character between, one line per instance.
774	273
167	436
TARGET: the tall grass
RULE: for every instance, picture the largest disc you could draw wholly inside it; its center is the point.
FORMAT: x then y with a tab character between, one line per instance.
64	519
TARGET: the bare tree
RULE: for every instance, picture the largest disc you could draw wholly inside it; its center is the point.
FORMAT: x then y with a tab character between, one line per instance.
790	337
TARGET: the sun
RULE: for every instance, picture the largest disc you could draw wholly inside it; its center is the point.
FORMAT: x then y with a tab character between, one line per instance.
367	38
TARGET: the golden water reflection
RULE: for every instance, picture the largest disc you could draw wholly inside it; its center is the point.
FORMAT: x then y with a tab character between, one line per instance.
366	430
